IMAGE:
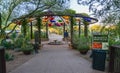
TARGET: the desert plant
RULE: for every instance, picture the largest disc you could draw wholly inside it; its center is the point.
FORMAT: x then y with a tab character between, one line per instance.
6	44
83	45
43	35
116	42
13	35
18	42
26	47
8	56
75	41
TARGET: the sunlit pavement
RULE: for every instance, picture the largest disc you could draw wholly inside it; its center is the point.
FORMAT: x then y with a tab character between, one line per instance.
56	59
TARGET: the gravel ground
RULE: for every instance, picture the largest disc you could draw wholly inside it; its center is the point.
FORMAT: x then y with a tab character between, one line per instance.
19	59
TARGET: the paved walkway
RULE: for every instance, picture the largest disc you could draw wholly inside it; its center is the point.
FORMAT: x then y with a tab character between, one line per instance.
56	59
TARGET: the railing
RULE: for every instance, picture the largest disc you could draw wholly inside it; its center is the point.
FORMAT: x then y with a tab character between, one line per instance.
2	60
114	63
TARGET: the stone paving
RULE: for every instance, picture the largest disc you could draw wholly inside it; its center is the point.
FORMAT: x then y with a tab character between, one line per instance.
56	59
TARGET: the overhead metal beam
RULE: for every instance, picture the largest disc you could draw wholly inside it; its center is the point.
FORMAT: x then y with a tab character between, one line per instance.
71	15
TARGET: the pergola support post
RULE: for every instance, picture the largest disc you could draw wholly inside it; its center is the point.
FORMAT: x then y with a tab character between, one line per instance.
71	29
39	28
79	29
24	27
63	30
31	27
47	30
2	60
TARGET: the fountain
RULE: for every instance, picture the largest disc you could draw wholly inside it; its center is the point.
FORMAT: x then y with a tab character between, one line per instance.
55	42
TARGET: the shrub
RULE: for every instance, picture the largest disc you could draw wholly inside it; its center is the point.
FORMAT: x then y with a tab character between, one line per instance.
8	56
6	44
83	44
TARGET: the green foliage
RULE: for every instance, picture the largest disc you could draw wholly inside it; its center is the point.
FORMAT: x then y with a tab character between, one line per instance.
68	11
114	39
8	56
6	44
13	35
118	29
22	43
85	24
18	41
81	43
43	35
12	9
111	40
84	43
27	47
75	41
85	14
27	38
2	34
24	27
107	10
115	42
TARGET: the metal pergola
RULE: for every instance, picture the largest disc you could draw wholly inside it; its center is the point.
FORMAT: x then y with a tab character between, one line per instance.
90	20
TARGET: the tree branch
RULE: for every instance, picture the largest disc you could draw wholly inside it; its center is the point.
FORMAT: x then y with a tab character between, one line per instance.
11	8
12	29
7	26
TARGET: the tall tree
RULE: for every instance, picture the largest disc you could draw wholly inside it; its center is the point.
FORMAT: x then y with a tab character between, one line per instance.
107	10
104	8
11	9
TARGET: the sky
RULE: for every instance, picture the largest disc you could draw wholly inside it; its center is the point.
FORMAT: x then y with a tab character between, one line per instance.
79	8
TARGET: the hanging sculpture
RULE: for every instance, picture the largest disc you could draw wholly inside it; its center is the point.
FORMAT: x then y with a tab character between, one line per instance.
66	18
52	21
87	19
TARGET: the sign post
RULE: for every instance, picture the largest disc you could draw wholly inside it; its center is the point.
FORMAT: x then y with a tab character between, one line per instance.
2	60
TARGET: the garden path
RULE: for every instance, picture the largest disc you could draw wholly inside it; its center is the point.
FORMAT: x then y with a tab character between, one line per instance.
56	59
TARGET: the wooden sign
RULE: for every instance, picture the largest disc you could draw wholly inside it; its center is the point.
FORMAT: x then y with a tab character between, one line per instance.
100	38
100	41
96	45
